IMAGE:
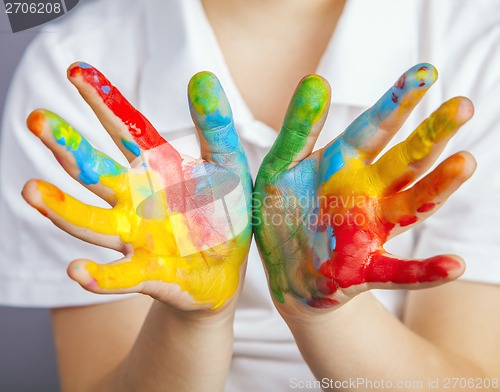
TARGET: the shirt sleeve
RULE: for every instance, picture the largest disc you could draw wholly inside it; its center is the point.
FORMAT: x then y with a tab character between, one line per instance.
34	254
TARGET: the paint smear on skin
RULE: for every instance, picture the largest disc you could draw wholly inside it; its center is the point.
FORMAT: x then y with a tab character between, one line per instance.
35	122
406	93
208	276
426	207
92	163
357	256
169	250
306	111
175	232
364	236
131	146
307	108
138	126
211	113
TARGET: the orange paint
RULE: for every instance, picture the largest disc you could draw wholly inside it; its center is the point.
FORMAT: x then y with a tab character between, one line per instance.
36	122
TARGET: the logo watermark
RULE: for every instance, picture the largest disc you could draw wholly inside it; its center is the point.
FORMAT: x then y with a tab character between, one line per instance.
451	383
24	15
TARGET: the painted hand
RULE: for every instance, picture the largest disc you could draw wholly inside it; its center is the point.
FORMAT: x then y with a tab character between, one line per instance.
321	218
183	224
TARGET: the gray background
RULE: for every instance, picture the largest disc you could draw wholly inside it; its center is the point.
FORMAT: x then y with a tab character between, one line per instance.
27	360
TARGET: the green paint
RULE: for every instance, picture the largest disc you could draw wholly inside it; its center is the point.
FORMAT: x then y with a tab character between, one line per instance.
307	107
277	181
201	91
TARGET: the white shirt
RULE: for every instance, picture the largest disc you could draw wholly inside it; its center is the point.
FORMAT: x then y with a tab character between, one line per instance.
150	49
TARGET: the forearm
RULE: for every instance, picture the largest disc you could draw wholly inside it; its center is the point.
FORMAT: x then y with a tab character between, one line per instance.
363	340
175	352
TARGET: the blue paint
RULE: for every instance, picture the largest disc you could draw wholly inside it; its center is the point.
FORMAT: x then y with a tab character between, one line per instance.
332	239
131	146
363	129
217	126
106	89
84	65
92	163
334	158
366	125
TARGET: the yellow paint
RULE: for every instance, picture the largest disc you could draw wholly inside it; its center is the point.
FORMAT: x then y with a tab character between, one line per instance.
395	165
210	276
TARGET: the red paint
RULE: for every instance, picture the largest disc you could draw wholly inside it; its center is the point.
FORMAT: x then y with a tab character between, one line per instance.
322	303
426	207
394	97
422	82
42	211
400	183
162	157
142	131
386	269
401	82
359	257
407	220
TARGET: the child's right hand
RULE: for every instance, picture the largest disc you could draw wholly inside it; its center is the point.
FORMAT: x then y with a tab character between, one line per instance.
183	224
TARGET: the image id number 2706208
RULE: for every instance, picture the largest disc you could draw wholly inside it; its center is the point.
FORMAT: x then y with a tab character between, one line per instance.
33	8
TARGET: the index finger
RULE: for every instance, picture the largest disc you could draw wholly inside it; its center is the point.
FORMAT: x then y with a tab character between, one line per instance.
130	130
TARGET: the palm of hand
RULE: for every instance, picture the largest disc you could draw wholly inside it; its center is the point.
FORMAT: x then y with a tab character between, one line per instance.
169	212
340	208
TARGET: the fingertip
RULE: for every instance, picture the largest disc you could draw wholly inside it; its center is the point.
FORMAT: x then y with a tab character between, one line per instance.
30	190
465	163
414	83
80	272
76	69
465	109
426	73
316	83
87	78
32	195
458	109
36	121
49	191
208	102
453	264
310	102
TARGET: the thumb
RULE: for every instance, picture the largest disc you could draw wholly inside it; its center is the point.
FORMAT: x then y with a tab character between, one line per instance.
303	122
212	116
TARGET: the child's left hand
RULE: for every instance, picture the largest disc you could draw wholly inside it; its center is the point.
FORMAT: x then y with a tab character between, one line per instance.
321	218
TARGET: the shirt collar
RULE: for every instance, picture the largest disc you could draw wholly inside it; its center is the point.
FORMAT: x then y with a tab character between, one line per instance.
372	41
364	58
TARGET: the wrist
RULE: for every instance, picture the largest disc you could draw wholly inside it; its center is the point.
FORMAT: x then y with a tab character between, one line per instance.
206	318
302	318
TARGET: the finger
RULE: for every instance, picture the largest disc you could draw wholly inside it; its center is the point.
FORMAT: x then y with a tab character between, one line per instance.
405	209
113	278
76	155
130	130
99	226
387	271
303	122
168	279
406	161
372	130
132	274
211	113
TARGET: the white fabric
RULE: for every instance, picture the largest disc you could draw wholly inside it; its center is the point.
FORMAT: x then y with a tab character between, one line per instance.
150	49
